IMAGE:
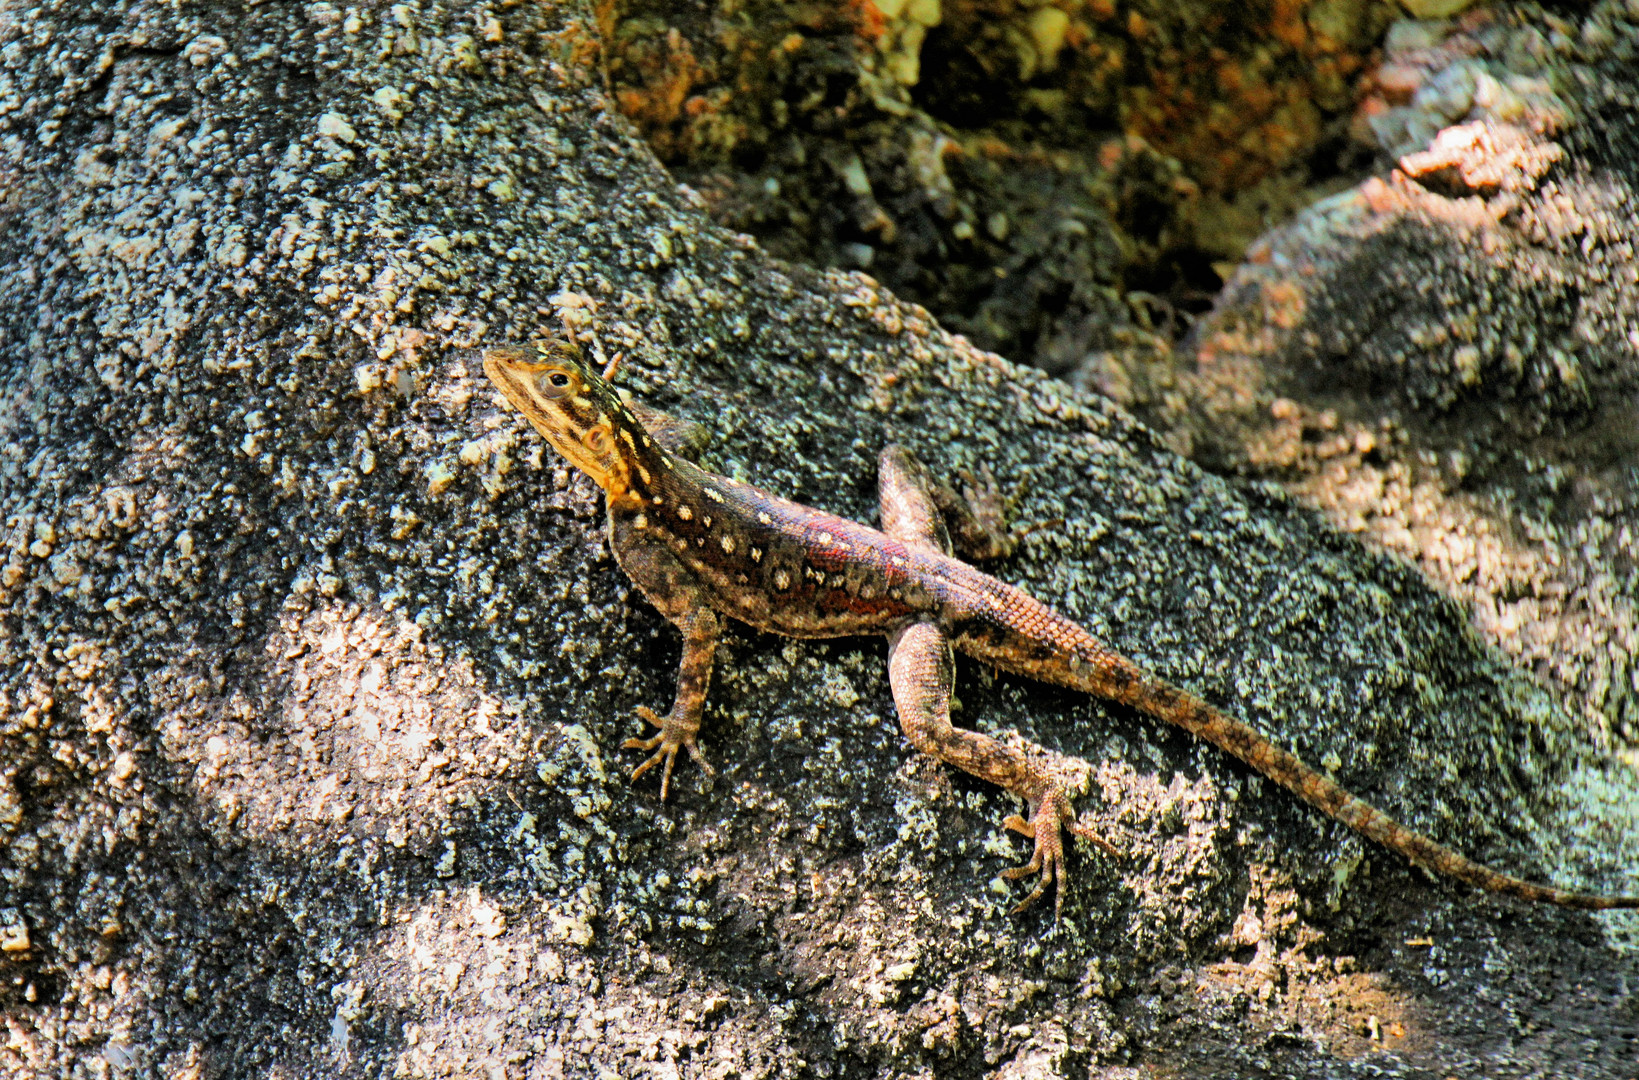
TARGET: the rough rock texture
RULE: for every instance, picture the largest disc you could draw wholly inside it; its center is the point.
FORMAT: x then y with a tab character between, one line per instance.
1053	179
1445	360
314	660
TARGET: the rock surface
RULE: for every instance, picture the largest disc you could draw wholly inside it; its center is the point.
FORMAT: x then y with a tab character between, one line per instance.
314	660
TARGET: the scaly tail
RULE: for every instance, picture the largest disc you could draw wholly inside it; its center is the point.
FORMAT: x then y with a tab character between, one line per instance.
1189	712
1054	649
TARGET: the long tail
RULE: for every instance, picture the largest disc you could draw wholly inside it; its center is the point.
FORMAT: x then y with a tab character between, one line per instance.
1056	650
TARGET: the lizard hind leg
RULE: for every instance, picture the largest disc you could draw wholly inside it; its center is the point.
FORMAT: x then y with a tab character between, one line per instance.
906	501
917	507
921	669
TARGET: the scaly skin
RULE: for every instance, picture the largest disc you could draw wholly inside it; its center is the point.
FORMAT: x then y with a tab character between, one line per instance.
700	546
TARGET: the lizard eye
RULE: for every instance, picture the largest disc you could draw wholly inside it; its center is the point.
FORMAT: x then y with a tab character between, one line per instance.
555	384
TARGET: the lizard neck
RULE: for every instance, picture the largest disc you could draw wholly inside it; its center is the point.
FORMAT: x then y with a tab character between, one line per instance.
619	454
646	481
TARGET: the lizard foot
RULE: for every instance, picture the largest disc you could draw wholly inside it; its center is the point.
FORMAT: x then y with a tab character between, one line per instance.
669	739
1043	827
986	534
982	531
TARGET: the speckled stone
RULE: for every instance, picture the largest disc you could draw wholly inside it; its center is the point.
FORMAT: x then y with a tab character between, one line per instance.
313	662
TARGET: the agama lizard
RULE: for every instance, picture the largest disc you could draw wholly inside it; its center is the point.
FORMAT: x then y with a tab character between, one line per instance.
703	547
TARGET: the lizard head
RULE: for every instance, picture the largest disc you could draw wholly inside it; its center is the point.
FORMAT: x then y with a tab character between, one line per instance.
564	399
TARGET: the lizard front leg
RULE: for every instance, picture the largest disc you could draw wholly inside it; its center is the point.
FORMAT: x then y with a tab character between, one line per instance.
680	727
684	438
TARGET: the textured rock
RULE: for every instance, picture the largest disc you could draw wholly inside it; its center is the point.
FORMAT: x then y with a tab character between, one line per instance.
1445	360
314	660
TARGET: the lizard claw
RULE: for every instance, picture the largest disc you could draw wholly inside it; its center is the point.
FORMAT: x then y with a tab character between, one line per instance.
1086	833
1047	860
668	740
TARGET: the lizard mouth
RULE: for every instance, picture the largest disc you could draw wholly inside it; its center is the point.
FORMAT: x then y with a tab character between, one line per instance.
513	373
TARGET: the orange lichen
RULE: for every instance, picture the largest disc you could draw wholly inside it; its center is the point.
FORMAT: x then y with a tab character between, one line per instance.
1235	112
1288	25
606	13
1283	302
580	49
666	79
867	17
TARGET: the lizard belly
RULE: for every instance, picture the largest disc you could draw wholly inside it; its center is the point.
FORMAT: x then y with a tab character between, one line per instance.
815	576
798	597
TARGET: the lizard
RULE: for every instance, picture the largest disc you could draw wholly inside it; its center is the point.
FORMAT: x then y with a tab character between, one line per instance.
704	548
